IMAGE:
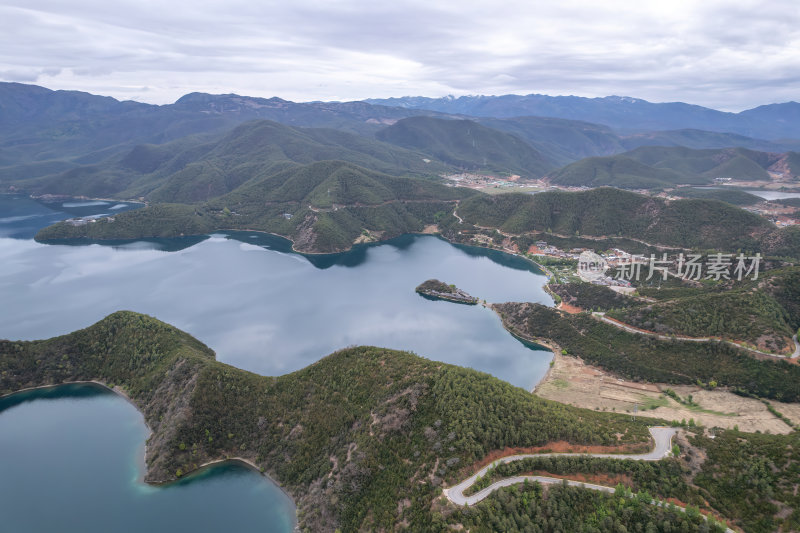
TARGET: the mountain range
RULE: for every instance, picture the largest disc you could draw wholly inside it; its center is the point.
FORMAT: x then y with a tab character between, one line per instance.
329	174
624	114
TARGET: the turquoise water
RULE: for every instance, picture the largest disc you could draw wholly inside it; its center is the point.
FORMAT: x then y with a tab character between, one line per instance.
71	461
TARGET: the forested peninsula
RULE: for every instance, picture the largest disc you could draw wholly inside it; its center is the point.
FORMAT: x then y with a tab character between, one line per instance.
362	439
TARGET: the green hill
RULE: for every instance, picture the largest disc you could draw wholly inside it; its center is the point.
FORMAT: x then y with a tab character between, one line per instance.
608	212
322	207
562	141
744	315
788	202
350	437
793	163
197	169
654	167
648	359
467	145
700	139
618	171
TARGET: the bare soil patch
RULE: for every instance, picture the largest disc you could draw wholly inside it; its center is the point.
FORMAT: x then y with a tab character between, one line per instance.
574	382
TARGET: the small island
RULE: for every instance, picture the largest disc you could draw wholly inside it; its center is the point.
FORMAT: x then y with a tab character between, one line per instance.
437	290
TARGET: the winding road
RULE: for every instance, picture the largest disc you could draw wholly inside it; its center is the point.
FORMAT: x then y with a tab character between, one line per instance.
662	436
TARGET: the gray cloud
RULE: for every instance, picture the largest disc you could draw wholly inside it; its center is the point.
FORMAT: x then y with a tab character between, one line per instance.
711	53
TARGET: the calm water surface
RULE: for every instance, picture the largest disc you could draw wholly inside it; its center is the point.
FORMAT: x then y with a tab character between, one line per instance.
272	312
774	195
71	461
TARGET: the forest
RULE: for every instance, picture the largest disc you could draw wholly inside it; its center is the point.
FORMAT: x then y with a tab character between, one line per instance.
641	358
613	213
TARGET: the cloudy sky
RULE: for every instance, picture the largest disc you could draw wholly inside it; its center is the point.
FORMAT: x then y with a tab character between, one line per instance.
724	54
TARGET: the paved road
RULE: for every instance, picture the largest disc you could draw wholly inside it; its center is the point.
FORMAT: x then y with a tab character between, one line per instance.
662	436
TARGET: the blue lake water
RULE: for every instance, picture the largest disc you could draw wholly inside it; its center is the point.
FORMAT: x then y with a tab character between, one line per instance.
71	460
270	311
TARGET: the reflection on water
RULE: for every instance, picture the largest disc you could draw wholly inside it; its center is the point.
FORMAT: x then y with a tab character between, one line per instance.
268	310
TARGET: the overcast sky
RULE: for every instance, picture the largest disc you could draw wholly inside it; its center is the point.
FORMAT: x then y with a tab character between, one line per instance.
731	54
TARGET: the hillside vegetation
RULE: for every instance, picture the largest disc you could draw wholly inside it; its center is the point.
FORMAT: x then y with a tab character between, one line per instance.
642	358
608	212
654	167
322	207
467	145
745	315
350	436
197	169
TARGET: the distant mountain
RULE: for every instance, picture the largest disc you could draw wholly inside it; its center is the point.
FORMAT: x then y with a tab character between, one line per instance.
39	125
699	139
194	169
559	139
624	114
467	145
358	117
45	132
650	167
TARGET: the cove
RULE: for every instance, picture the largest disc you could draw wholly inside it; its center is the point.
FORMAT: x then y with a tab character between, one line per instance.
73	462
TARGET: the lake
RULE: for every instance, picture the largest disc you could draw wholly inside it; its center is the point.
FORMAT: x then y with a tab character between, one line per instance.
71	457
71	460
270	311
761	193
773	195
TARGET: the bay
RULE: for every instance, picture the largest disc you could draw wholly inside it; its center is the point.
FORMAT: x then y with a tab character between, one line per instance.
71	460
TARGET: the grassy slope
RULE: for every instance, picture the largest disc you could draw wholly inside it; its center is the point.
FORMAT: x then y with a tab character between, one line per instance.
387	417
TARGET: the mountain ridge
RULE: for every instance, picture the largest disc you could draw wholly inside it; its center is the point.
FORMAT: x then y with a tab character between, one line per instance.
621	113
